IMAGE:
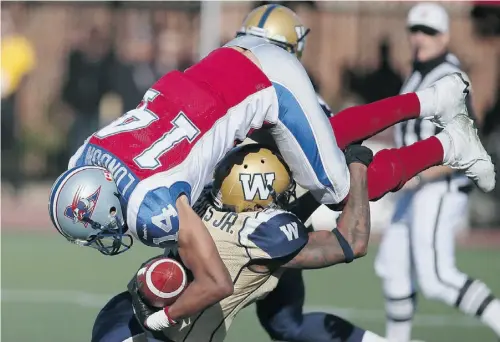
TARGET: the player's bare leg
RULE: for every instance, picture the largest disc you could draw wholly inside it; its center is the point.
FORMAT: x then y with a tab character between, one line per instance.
457	146
439	103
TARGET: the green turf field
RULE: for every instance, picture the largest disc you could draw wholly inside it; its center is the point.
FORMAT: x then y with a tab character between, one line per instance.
52	291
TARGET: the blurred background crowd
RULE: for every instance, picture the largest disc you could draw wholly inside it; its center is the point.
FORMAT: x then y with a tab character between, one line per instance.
68	68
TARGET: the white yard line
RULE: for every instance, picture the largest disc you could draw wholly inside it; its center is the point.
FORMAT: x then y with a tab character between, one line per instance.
84	299
93	300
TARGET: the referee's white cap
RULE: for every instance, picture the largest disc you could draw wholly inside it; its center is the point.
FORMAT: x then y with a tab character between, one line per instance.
429	15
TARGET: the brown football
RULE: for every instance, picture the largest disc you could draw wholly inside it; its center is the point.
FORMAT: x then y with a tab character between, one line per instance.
161	281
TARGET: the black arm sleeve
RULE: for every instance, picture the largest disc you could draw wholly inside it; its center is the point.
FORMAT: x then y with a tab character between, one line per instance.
304	206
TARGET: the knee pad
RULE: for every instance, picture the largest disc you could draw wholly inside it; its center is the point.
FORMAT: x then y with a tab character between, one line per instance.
401	309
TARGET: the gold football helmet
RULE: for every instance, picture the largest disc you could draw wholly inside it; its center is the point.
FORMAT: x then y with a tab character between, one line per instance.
278	24
252	177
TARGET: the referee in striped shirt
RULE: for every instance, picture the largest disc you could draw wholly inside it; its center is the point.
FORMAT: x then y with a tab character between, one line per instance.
418	247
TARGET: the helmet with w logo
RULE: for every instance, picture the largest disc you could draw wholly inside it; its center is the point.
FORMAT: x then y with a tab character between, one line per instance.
279	25
252	177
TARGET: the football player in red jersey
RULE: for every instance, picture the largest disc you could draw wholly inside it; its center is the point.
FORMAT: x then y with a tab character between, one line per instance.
256	237
161	154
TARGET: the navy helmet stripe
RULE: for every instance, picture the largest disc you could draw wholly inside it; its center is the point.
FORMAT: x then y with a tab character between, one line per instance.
266	14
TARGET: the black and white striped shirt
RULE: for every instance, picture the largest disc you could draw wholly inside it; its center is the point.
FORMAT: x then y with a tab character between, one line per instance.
423	75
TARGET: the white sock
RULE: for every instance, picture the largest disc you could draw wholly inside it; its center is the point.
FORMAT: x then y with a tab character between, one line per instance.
491	316
398	331
447	144
427	100
372	337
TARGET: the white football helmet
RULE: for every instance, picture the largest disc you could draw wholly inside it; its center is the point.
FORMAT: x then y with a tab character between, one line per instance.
85	208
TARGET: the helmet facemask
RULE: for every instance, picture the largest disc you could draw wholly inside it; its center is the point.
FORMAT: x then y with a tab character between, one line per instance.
283	200
109	239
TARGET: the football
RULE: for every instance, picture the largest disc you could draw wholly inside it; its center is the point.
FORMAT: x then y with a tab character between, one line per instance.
161	281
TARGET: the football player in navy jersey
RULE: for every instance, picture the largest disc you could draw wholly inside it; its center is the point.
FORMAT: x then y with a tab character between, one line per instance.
244	211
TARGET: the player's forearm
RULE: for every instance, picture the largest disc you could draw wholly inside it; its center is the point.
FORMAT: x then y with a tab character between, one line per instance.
322	250
354	222
198	252
198	296
209	287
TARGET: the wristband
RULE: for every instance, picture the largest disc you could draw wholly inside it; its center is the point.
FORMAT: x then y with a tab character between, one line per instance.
170	320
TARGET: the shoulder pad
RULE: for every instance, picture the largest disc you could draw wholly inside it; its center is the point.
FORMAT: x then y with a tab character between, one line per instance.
273	234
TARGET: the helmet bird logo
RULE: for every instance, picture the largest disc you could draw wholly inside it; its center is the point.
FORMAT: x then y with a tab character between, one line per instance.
82	207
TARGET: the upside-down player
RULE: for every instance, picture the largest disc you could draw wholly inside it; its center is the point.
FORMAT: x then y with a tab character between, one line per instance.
281	311
257	240
139	175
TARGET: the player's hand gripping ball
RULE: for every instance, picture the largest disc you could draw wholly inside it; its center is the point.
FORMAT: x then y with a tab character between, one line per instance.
161	281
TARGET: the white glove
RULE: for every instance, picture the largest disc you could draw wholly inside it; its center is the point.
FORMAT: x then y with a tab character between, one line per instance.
159	320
